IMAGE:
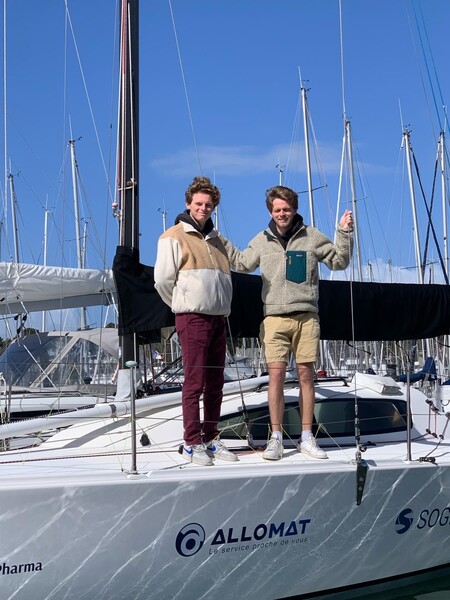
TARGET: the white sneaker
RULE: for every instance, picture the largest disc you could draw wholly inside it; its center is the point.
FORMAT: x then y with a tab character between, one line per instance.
310	448
217	449
274	449
197	454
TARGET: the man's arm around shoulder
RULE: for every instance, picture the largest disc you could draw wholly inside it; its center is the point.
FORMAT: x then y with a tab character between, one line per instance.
244	261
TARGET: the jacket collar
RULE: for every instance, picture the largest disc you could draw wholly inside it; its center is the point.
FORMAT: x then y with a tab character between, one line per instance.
186	219
272	231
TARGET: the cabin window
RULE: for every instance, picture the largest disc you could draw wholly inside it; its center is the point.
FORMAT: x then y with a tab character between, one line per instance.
25	361
84	363
34	362
336	416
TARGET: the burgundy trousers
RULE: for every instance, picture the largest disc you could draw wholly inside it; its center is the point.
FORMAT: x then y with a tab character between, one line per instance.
203	346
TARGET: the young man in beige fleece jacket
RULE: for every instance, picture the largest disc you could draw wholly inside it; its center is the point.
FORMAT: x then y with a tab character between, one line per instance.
192	276
288	253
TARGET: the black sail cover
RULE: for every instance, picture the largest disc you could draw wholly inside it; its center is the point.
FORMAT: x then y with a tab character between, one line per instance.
348	311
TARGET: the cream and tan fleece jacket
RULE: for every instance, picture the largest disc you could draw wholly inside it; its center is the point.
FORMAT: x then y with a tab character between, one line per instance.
192	272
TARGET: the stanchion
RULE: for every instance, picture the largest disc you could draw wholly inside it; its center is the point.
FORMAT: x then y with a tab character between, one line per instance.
132	364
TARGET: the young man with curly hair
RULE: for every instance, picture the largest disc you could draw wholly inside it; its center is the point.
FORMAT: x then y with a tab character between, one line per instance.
192	276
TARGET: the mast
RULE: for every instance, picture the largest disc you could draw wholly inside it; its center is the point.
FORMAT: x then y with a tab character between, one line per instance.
76	209
303	90
14	217
407	141
420	267
128	145
308	158
446	362
164	217
43	326
444	200
349	144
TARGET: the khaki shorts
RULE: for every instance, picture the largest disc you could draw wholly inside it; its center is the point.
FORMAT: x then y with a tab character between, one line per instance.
299	333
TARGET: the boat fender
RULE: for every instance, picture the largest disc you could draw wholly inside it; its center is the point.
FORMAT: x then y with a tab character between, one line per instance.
180	449
145	440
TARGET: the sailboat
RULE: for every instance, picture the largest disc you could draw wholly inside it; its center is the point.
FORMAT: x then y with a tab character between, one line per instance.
106	507
56	371
45	372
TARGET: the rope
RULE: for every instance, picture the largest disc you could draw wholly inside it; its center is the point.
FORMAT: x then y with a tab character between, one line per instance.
185	88
341	37
244	408
427	68
430	222
345	146
97	137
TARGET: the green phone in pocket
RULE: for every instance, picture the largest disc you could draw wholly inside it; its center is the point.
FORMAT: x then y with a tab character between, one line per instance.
296	266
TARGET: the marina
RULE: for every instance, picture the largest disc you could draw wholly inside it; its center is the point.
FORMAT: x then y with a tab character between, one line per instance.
99	499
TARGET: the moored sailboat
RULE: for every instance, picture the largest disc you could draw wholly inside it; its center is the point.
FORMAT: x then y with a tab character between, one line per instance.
107	507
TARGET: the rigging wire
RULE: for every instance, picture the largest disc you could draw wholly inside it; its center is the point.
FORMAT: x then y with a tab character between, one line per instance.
185	88
425	60
361	468
443	106
8	177
99	246
5	140
88	98
293	159
341	40
294	136
430	221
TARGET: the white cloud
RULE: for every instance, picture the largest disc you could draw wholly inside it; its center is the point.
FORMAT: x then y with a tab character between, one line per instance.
248	161
241	160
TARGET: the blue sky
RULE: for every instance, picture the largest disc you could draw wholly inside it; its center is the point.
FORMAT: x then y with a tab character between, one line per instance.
237	93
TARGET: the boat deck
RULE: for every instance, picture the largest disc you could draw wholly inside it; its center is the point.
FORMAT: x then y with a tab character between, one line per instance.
164	462
101	447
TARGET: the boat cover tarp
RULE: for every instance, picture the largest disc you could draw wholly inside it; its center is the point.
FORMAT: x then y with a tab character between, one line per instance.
348	311
26	288
428	371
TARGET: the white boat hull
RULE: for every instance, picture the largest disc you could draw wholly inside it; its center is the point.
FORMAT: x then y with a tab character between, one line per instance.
76	524
256	530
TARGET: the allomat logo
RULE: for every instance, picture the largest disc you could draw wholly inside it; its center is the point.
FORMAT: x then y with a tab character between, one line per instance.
190	539
404	520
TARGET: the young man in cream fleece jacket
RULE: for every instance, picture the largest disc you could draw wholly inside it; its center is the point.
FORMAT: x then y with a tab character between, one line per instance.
288	253
192	276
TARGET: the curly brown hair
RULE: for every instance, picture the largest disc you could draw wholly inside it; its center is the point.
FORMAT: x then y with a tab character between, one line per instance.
203	185
283	193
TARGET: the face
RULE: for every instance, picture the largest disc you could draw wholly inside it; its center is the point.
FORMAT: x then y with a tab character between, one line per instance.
201	207
283	214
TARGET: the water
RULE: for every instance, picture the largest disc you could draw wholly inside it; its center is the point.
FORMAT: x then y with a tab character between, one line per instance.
434	588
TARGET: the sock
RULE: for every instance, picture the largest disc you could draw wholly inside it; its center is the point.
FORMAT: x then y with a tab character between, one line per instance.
306	434
278	435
